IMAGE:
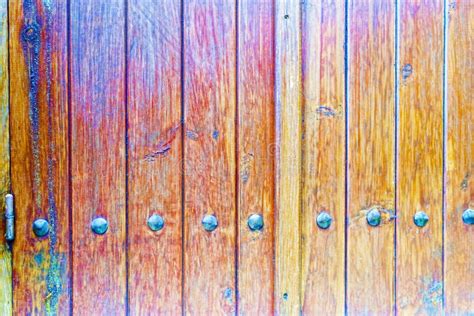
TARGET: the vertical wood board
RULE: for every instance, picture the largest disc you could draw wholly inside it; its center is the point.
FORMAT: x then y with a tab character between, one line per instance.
371	163
97	39
40	178
323	157
420	158
210	157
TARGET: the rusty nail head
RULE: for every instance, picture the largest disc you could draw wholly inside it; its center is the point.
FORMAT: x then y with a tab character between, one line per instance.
255	222
155	222
324	220
209	222
40	227
99	226
420	219
468	217
374	217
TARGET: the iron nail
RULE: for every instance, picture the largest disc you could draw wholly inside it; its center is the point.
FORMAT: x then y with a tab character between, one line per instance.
374	217
420	219
209	222
40	227
255	222
468	217
324	220
99	226
155	222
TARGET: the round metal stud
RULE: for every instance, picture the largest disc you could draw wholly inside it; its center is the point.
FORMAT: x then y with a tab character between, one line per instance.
255	222
99	226
155	222
420	219
374	218
209	222
468	217
324	220
40	227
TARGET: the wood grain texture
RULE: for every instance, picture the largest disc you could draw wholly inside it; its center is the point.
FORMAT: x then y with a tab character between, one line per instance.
97	42
323	157
288	168
210	157
39	111
459	238
370	253
420	158
256	150
154	80
5	253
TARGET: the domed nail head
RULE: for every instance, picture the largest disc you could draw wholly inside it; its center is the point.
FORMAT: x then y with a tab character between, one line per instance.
209	222
324	220
155	222
468	217
255	222
99	226
420	219
374	218
40	227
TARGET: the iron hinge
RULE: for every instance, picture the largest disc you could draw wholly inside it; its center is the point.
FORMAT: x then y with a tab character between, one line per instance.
9	218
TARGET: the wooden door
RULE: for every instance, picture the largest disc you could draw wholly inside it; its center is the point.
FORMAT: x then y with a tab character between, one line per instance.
251	157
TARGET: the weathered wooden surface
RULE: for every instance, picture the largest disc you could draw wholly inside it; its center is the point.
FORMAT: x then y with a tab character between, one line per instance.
281	108
420	158
98	161
210	156
39	111
256	155
459	238
288	168
154	151
371	163
323	157
5	252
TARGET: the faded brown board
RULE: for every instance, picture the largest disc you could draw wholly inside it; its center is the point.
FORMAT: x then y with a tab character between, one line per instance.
5	253
288	167
459	238
371	163
323	157
420	158
154	129
256	150
97	40
210	157
39	111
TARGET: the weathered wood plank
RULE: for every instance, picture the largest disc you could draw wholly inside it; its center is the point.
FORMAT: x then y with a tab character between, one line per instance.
5	253
210	157
155	129
370	253
97	42
323	157
288	167
39	111
256	150
420	158
459	238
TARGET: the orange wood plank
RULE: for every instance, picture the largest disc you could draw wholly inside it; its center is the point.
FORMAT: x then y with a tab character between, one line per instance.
370	253
288	168
5	251
459	238
420	158
210	157
256	148
40	177
323	157
97	39
154	81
